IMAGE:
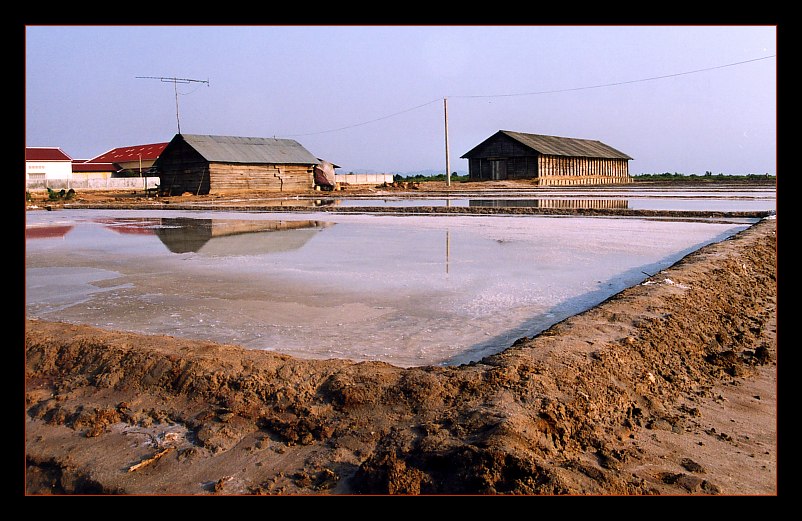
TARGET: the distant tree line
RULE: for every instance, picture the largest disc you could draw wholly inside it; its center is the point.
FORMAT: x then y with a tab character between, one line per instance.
707	174
419	178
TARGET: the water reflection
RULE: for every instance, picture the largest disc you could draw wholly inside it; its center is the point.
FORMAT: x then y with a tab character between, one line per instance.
678	201
415	290
47	231
220	237
448	248
549	203
304	202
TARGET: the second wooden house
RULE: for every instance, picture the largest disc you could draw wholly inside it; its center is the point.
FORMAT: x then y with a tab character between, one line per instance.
203	164
547	160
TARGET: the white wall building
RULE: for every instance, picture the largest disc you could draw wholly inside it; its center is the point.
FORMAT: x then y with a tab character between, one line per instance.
44	164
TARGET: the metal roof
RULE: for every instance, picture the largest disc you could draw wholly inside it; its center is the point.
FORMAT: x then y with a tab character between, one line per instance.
562	146
256	150
132	153
46	154
89	166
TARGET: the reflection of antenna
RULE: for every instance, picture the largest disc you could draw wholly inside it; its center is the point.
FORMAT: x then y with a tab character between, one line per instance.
175	81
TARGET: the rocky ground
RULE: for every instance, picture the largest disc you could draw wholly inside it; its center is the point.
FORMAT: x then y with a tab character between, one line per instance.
669	387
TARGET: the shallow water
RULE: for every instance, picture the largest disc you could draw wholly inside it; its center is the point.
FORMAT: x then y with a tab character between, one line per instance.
408	290
687	200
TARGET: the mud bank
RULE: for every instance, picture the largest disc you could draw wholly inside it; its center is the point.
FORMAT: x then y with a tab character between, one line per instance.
669	387
428	210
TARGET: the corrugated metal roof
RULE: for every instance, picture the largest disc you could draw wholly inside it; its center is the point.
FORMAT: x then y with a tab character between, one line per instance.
566	146
562	146
132	153
46	154
257	150
89	166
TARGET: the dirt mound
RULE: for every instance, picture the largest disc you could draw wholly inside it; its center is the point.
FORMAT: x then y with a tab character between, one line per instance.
631	397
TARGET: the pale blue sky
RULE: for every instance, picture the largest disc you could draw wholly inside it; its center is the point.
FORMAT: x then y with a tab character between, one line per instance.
301	82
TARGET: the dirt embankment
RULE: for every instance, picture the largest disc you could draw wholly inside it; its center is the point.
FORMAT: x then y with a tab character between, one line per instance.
667	388
253	198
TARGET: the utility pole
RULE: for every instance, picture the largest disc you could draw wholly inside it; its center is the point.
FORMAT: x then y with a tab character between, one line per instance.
448	163
175	82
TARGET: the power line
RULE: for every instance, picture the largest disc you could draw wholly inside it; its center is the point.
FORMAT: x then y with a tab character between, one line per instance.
366	122
640	80
616	83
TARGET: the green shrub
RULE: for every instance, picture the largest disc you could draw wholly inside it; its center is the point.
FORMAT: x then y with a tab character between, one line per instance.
62	194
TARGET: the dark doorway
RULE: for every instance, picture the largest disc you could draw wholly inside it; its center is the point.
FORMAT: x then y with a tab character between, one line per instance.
498	169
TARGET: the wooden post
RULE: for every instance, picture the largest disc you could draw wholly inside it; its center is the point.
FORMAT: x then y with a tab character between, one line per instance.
448	163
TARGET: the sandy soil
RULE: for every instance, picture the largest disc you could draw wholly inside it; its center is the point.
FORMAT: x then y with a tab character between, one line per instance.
669	387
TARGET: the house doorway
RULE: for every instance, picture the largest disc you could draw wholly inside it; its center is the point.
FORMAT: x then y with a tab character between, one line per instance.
498	169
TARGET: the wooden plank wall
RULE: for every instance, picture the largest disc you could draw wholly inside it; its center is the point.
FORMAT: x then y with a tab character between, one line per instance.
557	170
516	168
272	178
569	171
521	167
475	169
181	170
192	178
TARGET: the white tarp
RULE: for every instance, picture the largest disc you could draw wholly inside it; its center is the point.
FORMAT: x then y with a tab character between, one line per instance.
324	174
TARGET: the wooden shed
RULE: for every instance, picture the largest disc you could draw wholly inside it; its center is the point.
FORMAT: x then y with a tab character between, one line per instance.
547	160
201	164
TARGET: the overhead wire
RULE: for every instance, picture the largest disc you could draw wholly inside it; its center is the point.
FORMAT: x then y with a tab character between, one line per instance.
367	122
534	93
614	83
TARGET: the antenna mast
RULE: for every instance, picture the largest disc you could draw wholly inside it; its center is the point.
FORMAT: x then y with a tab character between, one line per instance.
175	82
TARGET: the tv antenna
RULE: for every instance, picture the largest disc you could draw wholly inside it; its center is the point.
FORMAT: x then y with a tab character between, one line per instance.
175	82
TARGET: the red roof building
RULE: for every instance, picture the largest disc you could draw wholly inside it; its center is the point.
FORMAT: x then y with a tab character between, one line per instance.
45	154
46	163
82	165
130	154
131	160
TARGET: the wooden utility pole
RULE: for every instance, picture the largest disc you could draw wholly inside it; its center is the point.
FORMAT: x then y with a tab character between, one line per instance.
448	162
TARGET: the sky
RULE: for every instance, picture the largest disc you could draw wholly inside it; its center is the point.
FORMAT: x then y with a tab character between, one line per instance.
687	99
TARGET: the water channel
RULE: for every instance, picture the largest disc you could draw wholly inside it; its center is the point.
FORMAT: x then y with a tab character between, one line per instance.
754	200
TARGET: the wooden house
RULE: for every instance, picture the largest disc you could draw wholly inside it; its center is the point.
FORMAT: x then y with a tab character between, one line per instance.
201	164
547	160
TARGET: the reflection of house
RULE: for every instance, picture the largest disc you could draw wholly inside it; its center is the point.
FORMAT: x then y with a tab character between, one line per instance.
547	160
550	203
43	164
47	231
201	164
131	225
219	237
215	237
